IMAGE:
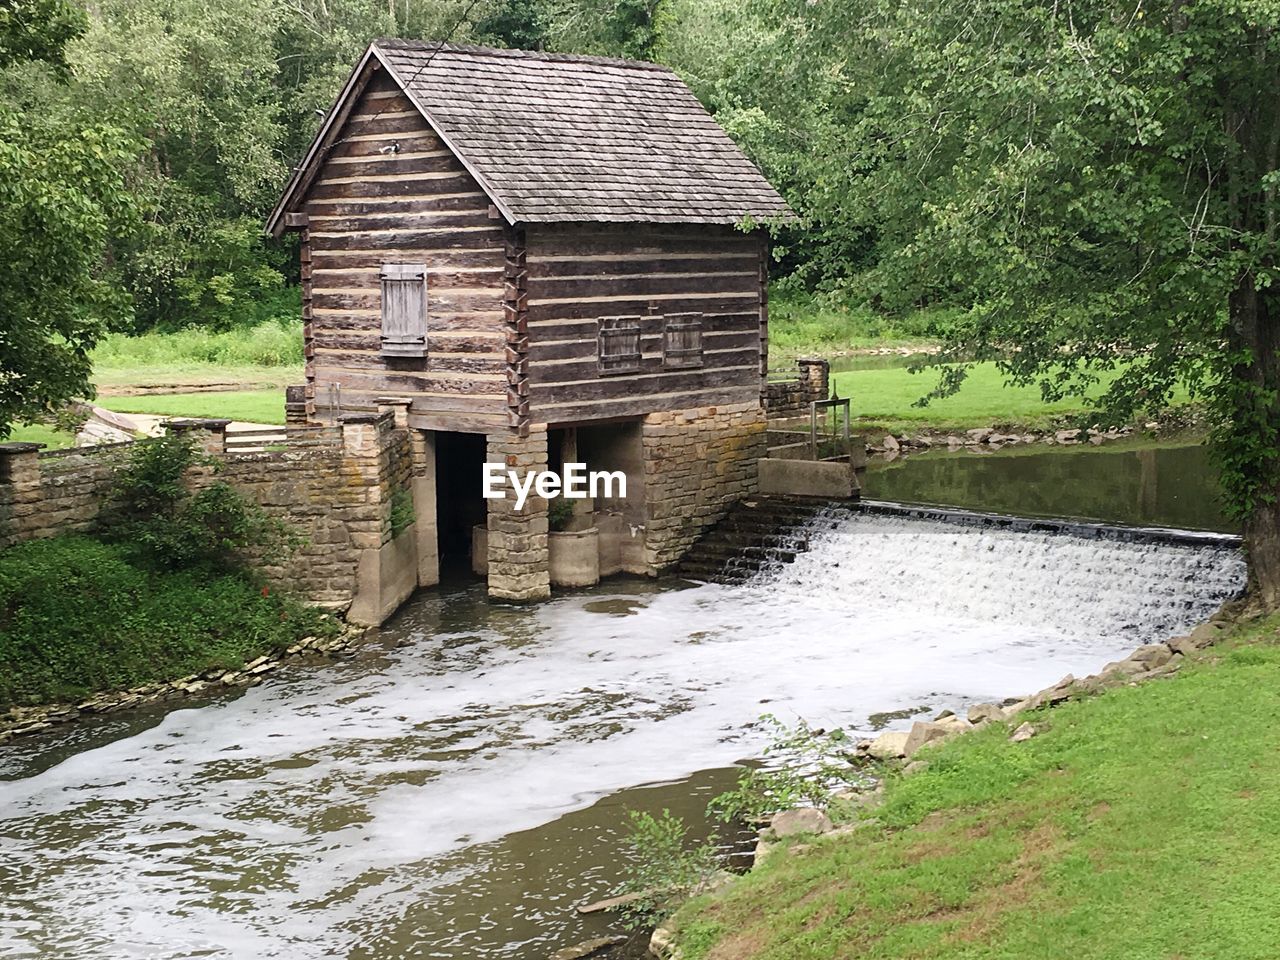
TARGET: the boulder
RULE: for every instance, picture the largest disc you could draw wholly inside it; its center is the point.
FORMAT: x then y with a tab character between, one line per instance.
1060	691
890	443
790	823
980	435
984	712
1066	436
914	767
1207	634
923	732
956	724
662	944
1025	732
1120	669
587	948
1152	655
889	745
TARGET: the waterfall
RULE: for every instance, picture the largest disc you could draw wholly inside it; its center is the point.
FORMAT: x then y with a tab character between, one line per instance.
1112	584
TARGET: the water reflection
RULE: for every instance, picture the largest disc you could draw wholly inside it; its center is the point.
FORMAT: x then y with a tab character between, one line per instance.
1167	486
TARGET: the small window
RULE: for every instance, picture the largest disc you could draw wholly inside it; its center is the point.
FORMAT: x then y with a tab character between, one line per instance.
619	345
404	310
682	341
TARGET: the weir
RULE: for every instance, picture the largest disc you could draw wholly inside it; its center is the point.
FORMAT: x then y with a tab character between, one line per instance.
768	533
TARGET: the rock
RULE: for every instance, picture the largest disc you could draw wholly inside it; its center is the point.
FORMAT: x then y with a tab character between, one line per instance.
954	443
762	850
1023	733
587	948
847	801
923	732
1152	655
789	823
1183	646
663	943
957	724
943	715
980	435
1066	436
890	444
1060	691
1121	668
889	745
914	767
1207	634
984	712
254	663
609	903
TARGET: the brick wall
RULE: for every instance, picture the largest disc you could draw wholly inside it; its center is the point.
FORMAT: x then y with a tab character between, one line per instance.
697	463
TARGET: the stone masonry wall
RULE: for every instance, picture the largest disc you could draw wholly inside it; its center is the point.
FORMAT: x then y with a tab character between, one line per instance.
791	398
518	542
697	463
333	486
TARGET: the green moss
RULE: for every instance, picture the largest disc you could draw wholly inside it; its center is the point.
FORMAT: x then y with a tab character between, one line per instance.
1140	823
77	617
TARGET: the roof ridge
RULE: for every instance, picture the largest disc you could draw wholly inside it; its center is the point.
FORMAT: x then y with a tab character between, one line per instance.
425	46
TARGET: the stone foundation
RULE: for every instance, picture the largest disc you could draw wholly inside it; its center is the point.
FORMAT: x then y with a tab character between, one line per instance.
697	464
519	565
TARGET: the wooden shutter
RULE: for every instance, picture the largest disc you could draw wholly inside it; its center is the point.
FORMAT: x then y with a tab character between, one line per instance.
682	340
404	310
619	345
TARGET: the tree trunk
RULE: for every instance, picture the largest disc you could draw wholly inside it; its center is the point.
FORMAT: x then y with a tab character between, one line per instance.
1254	316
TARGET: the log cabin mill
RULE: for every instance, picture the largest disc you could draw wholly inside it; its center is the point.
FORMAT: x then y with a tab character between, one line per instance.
538	259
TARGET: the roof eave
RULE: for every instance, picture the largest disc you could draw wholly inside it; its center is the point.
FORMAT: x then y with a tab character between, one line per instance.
304	172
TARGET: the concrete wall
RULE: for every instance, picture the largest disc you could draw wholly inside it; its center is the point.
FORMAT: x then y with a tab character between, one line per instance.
333	486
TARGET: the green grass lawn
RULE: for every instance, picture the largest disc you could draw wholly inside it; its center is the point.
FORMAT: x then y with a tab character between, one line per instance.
256	406
39	433
1139	824
885	398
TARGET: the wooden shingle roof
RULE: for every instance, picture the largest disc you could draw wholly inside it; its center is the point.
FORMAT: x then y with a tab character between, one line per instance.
562	138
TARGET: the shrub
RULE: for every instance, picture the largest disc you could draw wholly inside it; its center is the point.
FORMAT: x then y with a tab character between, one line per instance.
156	517
663	868
76	616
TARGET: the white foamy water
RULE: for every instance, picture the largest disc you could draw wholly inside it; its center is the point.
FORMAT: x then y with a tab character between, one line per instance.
311	815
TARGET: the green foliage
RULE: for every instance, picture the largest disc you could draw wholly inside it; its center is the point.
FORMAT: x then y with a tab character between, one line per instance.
402	512
801	322
62	194
272	343
78	616
38	30
559	513
161	523
662	866
1062	847
803	767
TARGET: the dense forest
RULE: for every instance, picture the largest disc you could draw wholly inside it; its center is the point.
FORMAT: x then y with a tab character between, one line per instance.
1090	185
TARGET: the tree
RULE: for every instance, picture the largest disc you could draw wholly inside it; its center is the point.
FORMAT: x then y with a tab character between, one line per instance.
62	192
1095	183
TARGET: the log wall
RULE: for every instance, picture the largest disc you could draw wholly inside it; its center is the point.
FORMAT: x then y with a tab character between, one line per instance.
390	191
579	273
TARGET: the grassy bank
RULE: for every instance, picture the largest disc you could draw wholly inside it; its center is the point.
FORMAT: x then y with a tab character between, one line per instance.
76	617
1137	824
885	398
255	406
268	354
802	325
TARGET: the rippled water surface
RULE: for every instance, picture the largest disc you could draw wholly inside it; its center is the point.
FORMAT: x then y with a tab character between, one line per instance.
456	786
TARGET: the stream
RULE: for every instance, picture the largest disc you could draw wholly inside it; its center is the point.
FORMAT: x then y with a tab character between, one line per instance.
455	786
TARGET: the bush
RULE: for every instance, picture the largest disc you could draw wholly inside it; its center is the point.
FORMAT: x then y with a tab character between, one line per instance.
662	867
161	523
76	616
